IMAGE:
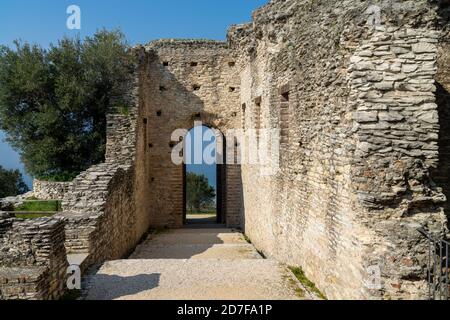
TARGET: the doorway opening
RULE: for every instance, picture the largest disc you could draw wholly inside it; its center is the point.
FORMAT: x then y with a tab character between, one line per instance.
203	177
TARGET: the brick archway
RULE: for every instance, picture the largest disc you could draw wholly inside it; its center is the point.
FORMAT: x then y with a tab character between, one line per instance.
184	82
221	176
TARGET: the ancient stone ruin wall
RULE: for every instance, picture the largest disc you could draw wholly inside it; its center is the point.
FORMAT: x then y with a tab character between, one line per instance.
33	260
101	221
397	125
99	215
358	122
99	209
48	190
184	82
441	175
122	117
363	155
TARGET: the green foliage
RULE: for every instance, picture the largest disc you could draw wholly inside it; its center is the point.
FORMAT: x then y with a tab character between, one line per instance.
247	239
39	206
11	183
123	109
60	177
300	275
53	102
199	194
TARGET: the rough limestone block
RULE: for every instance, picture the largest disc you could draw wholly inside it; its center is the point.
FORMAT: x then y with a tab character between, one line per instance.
424	48
384	85
365	116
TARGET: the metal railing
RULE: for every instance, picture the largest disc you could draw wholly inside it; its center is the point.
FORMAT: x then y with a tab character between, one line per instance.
438	267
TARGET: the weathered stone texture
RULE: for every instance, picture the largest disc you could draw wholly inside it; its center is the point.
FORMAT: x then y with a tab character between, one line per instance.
101	214
33	262
397	152
48	190
184	81
441	174
363	127
359	134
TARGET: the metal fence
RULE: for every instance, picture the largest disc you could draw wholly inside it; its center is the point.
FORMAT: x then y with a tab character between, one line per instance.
438	267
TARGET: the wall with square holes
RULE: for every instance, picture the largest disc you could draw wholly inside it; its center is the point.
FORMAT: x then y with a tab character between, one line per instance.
184	82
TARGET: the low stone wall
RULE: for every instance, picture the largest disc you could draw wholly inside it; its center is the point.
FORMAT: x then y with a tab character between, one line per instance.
47	190
100	213
33	261
8	203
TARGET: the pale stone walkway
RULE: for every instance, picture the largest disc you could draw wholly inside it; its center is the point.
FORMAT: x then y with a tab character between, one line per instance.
195	263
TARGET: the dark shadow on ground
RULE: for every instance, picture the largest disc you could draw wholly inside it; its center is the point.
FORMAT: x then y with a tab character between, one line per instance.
107	287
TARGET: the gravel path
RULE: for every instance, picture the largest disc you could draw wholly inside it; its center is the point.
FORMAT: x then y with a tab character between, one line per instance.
195	264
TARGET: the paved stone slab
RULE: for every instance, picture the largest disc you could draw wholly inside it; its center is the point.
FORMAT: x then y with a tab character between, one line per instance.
208	279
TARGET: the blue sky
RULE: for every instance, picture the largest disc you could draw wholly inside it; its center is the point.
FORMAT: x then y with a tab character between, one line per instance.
44	22
195	145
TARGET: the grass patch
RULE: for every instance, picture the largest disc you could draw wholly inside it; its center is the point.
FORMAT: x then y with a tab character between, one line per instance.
246	238
39	206
59	177
249	241
298	291
123	109
300	275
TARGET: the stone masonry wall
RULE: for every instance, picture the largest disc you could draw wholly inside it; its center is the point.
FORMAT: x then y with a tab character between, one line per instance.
185	81
355	106
351	89
397	128
100	214
99	208
48	190
33	261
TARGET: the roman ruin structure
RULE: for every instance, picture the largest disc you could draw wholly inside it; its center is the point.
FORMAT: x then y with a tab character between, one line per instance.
360	98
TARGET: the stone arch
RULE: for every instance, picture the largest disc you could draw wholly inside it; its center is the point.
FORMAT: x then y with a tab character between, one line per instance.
221	172
160	186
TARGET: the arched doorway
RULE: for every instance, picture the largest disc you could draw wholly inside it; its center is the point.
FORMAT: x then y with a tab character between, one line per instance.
204	176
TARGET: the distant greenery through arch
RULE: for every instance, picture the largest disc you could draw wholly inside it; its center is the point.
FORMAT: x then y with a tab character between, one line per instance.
201	181
200	195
